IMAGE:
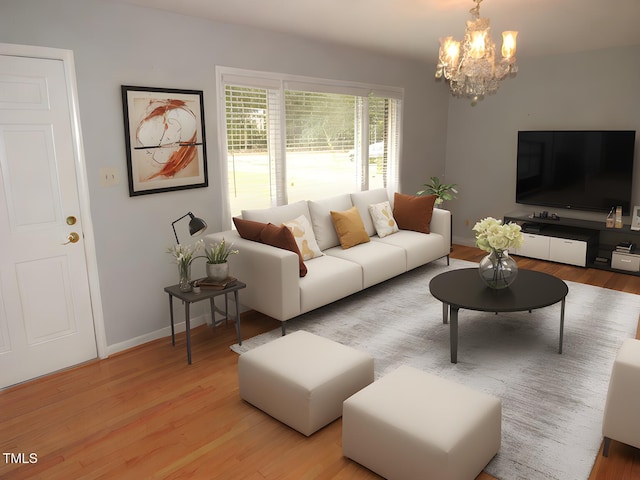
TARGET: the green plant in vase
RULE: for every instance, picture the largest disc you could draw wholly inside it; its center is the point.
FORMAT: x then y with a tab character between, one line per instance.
442	191
217	256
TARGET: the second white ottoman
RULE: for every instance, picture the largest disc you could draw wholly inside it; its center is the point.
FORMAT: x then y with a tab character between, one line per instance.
302	379
411	424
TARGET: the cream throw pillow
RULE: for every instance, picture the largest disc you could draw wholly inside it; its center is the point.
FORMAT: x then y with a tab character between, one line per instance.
306	240
383	220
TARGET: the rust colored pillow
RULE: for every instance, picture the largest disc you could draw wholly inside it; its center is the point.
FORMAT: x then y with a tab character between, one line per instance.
249	229
349	228
269	234
413	212
281	237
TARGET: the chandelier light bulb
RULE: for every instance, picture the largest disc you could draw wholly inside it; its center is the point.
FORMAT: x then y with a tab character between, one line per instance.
451	51
509	44
477	45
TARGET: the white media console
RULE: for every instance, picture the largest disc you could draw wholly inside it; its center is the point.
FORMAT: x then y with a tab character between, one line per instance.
585	243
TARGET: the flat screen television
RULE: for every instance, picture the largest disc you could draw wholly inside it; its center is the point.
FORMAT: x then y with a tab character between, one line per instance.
585	170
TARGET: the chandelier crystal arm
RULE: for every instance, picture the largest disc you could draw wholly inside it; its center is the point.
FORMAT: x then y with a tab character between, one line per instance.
475	11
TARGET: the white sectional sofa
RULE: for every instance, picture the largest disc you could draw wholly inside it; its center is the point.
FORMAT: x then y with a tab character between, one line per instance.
275	286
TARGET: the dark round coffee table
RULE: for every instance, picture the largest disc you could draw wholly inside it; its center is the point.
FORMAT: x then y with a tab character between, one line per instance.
463	288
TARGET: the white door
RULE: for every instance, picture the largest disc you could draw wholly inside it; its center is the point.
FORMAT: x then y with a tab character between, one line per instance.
46	318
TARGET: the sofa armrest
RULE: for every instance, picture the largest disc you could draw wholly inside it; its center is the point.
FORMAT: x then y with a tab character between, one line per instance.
272	275
441	223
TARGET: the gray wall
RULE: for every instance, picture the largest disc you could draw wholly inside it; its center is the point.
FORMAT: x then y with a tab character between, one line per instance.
117	44
585	91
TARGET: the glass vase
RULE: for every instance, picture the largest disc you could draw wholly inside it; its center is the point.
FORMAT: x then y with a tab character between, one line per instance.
185	277
498	270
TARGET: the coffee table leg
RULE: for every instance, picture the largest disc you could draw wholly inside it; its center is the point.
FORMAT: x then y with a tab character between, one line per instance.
561	325
453	334
445	313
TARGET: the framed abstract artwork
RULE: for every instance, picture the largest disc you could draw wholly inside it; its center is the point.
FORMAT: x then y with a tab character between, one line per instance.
165	139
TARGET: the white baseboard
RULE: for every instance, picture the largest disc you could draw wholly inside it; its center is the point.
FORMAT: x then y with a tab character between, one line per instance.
151	336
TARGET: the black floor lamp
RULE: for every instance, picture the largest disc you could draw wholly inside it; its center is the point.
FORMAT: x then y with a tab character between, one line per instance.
196	225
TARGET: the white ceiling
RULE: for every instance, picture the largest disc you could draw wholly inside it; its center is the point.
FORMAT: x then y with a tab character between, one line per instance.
413	27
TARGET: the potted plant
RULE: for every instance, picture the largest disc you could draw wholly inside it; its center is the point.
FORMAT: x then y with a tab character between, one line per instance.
442	191
217	255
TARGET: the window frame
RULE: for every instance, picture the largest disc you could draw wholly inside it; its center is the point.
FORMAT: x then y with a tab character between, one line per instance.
282	82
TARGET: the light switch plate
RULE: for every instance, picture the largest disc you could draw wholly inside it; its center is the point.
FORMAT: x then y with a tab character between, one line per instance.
109	176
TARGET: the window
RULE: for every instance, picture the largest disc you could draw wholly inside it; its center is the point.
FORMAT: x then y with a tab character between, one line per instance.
292	138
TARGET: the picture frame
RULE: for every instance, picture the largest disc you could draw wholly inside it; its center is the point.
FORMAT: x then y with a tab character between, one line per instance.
635	218
165	139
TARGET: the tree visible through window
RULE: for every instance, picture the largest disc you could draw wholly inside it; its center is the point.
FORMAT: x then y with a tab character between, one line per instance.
285	145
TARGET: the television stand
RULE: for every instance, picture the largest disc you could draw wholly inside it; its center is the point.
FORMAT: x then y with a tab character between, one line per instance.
584	243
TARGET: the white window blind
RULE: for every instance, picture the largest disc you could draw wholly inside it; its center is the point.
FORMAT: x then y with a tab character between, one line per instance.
284	144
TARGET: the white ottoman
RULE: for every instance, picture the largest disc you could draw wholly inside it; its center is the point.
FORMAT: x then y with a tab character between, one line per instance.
302	379
621	420
413	425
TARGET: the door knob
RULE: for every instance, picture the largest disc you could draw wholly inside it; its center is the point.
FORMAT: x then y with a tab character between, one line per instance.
72	238
71	220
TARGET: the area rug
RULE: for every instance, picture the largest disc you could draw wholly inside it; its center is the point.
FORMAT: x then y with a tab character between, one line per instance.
552	404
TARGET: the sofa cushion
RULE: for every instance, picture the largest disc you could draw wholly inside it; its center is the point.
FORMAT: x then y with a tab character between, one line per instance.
362	200
278	215
379	261
270	234
329	279
303	233
321	219
413	212
382	217
419	248
350	228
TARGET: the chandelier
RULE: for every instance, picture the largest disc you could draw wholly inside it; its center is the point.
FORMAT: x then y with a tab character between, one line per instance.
470	66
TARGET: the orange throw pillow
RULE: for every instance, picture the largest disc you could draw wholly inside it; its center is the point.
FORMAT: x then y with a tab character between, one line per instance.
269	234
249	229
413	212
281	237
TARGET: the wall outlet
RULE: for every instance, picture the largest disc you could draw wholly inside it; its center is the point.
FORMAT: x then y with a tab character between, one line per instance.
109	177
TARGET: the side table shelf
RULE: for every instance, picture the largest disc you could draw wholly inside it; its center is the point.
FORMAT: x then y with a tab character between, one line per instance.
596	240
206	293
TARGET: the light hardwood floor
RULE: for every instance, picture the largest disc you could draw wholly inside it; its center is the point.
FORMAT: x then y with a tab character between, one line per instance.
145	413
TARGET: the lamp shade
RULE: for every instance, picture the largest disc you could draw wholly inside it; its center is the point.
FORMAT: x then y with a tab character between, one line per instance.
196	225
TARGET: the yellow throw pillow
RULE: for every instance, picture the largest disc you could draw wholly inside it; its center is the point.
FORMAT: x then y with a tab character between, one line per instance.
305	238
349	228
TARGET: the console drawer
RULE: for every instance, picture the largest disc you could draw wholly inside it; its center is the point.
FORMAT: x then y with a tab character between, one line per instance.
534	246
564	250
625	261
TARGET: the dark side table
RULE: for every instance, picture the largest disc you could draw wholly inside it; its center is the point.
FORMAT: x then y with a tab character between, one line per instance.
205	293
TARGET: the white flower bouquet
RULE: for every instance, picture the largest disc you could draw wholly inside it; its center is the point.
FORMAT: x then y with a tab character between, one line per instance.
492	235
184	255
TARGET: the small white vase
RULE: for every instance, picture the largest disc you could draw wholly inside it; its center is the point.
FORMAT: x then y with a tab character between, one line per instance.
218	272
